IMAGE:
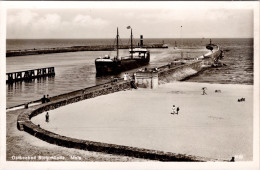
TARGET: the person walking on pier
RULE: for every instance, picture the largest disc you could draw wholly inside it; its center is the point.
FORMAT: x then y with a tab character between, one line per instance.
128	76
43	99
125	76
47	99
134	77
47	117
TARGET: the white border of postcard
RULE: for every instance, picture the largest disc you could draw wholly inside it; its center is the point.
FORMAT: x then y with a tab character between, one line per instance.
129	4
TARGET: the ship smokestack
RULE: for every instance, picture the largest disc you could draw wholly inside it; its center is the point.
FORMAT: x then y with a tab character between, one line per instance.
141	41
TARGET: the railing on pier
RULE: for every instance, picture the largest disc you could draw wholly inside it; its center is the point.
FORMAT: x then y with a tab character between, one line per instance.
29	74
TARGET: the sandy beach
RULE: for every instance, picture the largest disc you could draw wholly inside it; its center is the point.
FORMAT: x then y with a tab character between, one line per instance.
215	125
20	143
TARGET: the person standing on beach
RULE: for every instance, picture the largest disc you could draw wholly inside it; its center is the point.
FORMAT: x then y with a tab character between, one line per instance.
173	110
47	117
178	109
204	91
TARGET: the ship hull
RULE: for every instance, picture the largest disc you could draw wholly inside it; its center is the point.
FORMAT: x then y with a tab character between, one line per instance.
115	67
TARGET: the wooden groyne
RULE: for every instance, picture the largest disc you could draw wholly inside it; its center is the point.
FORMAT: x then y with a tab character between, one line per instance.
35	51
28	75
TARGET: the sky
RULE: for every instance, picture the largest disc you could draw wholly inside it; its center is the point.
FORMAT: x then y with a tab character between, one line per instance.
152	22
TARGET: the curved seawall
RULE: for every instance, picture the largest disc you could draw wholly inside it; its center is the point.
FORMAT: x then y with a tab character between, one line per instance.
24	120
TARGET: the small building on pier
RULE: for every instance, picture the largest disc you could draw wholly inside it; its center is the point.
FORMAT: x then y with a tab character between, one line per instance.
147	78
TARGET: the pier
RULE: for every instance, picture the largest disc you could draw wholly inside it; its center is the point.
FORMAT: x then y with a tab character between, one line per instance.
35	51
28	75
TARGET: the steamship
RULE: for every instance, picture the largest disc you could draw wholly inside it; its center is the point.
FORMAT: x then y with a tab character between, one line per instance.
137	57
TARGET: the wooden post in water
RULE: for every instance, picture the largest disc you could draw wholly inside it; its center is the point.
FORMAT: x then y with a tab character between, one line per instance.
26	75
44	71
39	72
10	77
18	76
32	74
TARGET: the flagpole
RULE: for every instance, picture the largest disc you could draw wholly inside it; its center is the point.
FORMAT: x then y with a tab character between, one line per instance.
181	37
181	44
131	37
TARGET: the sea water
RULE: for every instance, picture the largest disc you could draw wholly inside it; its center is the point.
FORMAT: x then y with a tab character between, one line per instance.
76	70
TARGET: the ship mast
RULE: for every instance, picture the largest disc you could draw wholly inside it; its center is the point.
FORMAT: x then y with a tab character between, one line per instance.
181	44
131	44
117	51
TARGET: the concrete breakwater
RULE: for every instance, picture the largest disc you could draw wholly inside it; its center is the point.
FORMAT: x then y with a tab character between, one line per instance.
174	71
183	69
179	72
34	51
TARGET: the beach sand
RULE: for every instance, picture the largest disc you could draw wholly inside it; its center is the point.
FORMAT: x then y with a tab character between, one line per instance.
20	143
215	125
